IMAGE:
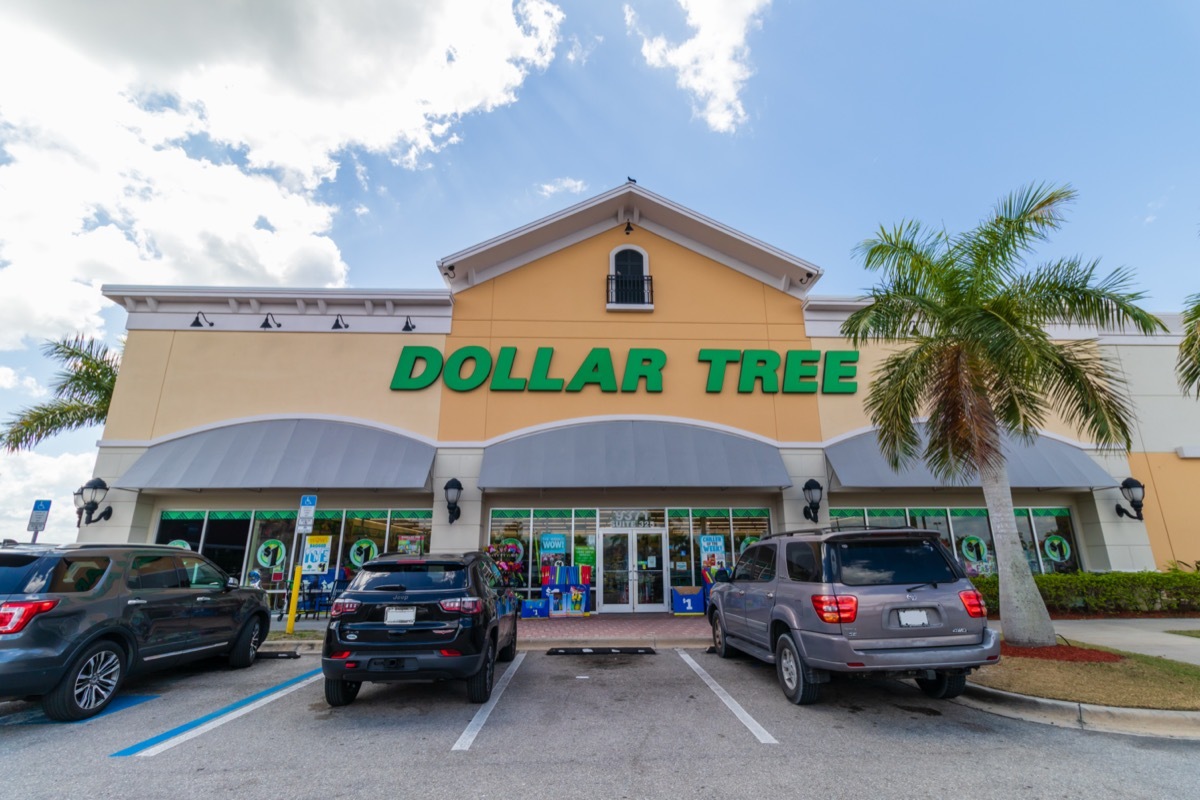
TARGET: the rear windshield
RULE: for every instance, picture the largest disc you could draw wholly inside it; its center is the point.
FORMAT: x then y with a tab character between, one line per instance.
14	572
403	577
896	562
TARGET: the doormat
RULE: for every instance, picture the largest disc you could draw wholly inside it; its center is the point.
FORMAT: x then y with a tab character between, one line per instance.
601	651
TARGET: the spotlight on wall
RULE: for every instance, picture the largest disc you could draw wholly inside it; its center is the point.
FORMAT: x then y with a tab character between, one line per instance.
628	228
1134	492
449	273
408	325
813	492
269	321
196	323
340	324
454	489
88	498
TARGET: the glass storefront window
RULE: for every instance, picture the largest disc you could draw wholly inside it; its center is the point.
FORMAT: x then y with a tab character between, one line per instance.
933	519
973	537
409	531
749	525
847	518
225	537
272	552
509	546
886	517
632	518
709	522
363	537
1025	533
584	549
182	526
552	532
679	548
1056	539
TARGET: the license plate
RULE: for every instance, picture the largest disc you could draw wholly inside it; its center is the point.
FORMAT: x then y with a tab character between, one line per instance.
914	618
400	615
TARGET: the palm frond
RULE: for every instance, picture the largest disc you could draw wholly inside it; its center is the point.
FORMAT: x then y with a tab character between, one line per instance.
1067	292
895	399
964	437
31	425
1187	366
1090	393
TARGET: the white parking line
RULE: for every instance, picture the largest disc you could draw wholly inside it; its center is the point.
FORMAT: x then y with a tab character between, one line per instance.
468	736
758	730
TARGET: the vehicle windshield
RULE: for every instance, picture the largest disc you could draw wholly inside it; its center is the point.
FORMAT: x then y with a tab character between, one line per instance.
14	572
409	576
883	563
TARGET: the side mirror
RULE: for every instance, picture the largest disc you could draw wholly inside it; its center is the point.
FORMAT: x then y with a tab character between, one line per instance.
722	576
231	583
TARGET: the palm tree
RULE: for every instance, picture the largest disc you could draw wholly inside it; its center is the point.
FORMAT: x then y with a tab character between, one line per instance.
82	393
976	360
1187	366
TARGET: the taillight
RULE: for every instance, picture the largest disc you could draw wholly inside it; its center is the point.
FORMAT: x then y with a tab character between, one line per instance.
340	654
462	605
450	653
973	602
16	615
836	607
341	606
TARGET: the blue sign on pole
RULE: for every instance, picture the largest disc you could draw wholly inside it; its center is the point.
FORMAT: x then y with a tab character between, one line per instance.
305	500
37	519
41	505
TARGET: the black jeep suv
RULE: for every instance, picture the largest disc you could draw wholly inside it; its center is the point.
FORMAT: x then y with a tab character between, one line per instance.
77	619
420	618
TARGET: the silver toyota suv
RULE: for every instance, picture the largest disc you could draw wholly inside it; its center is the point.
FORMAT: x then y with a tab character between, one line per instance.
883	602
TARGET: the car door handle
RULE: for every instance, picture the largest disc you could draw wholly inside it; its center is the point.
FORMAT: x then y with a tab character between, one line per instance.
204	599
136	602
741	593
770	595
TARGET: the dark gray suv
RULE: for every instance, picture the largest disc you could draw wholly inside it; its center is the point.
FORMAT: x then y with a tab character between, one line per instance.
884	602
76	620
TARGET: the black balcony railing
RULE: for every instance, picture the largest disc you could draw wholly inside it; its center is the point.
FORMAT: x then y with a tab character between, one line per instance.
630	291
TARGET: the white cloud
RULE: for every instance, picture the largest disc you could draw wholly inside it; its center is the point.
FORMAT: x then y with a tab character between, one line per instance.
579	52
11	379
361	211
150	142
713	65
569	185
28	476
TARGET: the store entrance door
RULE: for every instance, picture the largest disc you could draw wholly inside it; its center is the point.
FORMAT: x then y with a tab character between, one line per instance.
632	574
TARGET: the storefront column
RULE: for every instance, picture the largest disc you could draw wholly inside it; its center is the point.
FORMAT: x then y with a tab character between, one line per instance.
801	466
467	532
1110	542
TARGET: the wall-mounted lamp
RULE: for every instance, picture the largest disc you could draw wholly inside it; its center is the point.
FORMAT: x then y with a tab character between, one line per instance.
813	492
449	273
267	322
88	498
1134	492
628	228
340	324
196	323
408	325
454	489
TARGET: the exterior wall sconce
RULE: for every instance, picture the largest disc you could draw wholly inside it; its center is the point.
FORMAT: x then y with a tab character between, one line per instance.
196	323
408	325
340	324
1134	492
88	498
267	322
454	489
628	228
813	492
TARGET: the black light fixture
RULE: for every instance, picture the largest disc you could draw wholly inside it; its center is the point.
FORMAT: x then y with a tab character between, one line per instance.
454	489
628	228
88	498
340	324
408	325
196	323
1134	492
449	273
813	492
267	322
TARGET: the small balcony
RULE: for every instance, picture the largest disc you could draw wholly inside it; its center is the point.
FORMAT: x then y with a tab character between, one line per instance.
630	294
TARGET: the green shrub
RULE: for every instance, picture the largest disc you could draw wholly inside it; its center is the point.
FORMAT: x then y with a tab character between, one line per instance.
1108	592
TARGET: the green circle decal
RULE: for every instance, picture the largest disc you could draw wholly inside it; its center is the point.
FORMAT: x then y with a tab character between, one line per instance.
749	540
179	543
1057	548
974	549
271	554
362	551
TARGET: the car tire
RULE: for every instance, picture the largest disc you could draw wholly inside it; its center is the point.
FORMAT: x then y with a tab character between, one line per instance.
340	693
245	649
945	686
510	650
89	685
720	643
479	685
791	671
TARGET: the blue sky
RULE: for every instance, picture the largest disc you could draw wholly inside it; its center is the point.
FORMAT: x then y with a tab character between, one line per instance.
298	143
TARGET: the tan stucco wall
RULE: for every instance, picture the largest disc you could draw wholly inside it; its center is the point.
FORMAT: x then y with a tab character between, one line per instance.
1170	505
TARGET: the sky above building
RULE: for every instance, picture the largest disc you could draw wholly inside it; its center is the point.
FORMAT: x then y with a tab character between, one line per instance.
302	143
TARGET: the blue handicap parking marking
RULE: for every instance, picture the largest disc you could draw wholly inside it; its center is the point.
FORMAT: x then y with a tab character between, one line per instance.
36	717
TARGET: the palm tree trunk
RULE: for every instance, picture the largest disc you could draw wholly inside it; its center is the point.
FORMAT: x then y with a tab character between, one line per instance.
1022	610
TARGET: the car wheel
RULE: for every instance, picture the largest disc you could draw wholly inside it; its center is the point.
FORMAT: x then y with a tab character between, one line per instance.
341	693
245	649
790	669
510	650
945	686
89	684
479	685
720	645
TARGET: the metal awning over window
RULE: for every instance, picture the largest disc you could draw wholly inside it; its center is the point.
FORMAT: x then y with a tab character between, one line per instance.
1045	464
634	453
284	454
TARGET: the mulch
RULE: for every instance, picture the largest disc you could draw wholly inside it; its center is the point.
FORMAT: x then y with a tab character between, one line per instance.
1060	652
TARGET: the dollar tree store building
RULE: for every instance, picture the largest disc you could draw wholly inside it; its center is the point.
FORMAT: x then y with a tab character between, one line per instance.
625	384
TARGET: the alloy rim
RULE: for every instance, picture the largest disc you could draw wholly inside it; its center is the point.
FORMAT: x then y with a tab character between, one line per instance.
787	666
255	639
717	634
97	680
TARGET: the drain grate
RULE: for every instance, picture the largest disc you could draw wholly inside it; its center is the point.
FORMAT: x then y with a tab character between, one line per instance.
601	651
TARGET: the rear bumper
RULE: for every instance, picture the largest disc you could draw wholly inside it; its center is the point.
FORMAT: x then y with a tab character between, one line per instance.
836	653
24	672
388	667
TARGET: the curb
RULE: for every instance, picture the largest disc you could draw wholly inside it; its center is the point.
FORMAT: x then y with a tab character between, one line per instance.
1084	716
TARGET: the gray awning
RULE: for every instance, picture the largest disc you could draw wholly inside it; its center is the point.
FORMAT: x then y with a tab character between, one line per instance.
632	454
284	454
1046	464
